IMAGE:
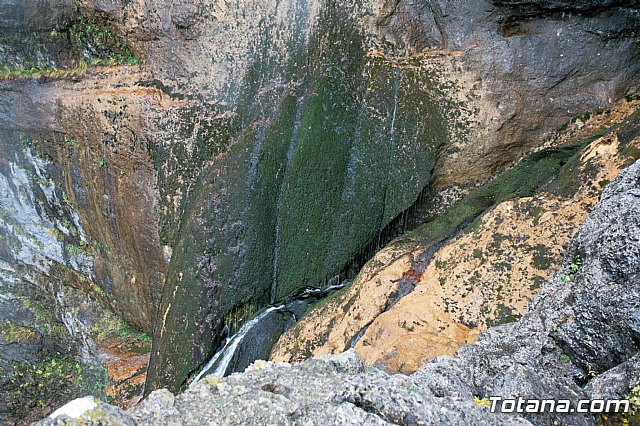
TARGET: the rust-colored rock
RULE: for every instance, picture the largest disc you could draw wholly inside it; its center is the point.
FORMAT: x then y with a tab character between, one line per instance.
352	309
126	361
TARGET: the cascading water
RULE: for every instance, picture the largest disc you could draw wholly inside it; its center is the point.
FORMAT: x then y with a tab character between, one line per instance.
219	364
225	355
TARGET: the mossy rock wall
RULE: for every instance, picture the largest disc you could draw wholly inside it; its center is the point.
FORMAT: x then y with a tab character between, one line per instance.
306	176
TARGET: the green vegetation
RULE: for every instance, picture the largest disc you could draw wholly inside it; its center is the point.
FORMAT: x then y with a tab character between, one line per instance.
111	325
19	230
97	290
12	332
573	269
634	409
78	70
68	201
367	368
522	180
90	39
45	319
36	387
74	250
96	37
57	234
72	144
9	73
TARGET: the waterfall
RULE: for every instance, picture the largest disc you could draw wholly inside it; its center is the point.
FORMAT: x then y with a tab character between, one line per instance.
221	360
225	355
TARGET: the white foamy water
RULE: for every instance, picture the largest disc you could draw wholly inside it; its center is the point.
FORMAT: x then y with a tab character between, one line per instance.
223	357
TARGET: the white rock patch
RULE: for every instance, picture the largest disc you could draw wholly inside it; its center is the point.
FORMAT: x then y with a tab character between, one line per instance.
76	408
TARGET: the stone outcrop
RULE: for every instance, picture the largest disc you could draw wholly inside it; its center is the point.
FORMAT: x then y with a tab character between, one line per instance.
338	389
184	165
577	329
419	298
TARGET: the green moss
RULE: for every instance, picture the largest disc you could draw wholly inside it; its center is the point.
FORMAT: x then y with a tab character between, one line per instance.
364	171
634	410
111	325
97	38
319	161
19	230
541	258
89	40
522	180
35	388
362	135
603	183
45	319
502	314
11	332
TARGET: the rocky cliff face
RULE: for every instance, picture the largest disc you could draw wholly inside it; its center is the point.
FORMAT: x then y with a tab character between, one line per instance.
579	341
341	127
185	164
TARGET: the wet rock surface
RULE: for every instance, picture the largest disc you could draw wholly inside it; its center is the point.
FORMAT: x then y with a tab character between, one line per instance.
485	275
309	203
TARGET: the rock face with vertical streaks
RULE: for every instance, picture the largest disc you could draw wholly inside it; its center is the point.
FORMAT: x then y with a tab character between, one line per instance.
578	342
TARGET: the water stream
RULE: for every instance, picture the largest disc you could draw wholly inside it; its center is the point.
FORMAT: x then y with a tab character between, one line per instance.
220	362
225	355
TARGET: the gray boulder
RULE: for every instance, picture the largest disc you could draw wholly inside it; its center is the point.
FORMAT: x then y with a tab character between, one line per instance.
582	328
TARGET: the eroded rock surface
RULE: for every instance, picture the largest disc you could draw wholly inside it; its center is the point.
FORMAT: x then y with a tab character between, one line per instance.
333	390
577	329
206	160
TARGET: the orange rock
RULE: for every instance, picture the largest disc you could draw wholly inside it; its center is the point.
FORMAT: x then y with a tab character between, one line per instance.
126	363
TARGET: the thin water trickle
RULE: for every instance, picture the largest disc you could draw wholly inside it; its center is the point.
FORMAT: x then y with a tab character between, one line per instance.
396	84
392	131
292	146
255	156
326	290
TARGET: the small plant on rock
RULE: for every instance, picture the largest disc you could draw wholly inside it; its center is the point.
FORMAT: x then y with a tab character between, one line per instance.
574	267
482	402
